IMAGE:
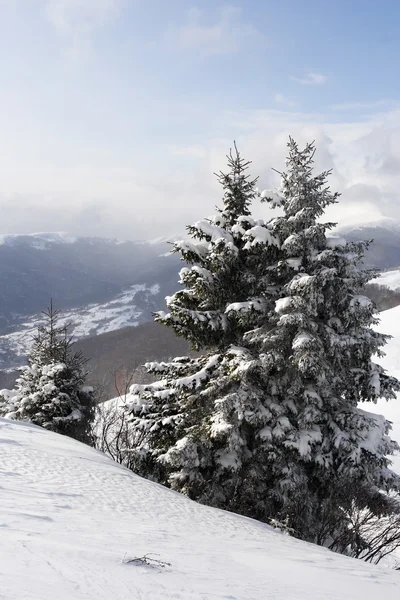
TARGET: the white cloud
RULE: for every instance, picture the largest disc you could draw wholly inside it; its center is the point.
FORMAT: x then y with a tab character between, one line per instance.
226	36
311	79
281	99
68	16
365	106
189	151
73	183
77	21
364	155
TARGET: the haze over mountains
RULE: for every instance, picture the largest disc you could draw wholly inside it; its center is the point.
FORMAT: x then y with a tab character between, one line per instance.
98	284
384	252
73	271
103	287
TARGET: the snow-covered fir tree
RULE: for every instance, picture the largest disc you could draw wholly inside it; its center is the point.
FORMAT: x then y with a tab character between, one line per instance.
228	288
316	360
51	390
267	422
227	257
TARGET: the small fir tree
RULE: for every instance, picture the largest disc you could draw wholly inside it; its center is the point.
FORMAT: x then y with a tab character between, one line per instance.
51	390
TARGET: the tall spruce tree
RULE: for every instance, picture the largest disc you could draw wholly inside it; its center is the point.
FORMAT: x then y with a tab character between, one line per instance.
269	423
228	288
316	355
51	390
227	257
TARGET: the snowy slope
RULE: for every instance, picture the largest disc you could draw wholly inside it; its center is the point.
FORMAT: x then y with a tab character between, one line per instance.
131	307
390	324
69	517
390	279
75	272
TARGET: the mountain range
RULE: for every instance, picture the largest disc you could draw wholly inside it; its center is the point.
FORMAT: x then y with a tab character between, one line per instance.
107	290
77	272
384	251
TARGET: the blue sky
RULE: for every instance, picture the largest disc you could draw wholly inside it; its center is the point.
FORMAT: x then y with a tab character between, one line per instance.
114	114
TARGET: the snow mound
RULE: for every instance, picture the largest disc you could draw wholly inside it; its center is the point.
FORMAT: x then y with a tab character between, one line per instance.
71	519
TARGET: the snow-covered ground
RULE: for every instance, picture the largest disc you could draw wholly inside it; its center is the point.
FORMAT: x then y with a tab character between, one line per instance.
92	319
390	324
390	279
70	518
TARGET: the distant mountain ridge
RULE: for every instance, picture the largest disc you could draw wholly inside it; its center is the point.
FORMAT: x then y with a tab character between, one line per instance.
36	240
384	253
98	284
104	285
73	271
129	308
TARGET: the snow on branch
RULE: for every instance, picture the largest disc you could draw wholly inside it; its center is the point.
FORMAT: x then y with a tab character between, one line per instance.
283	303
260	234
257	304
274	196
212	231
194	381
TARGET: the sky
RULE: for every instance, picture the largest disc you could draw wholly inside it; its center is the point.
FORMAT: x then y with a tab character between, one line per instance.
115	114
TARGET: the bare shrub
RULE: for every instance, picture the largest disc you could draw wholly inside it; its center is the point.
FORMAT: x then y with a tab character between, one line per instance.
372	533
112	432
